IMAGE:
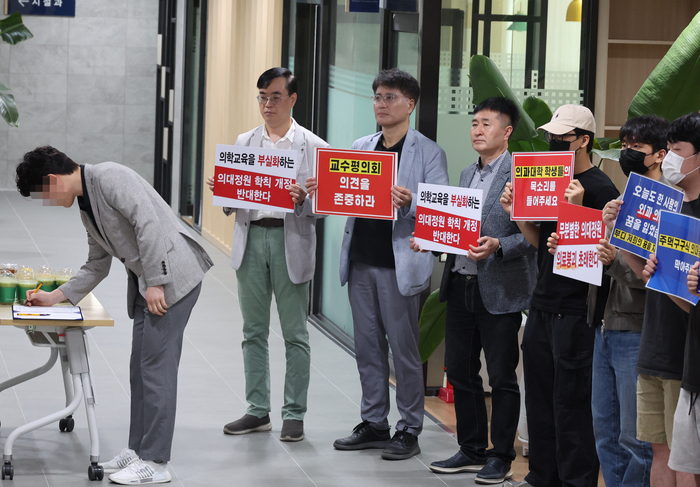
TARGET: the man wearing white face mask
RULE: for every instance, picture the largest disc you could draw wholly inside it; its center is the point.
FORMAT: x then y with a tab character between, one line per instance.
660	362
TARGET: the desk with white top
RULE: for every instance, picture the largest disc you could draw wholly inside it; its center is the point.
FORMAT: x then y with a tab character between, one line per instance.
66	339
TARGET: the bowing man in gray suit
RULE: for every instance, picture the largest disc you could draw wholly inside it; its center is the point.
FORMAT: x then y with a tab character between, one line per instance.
485	293
127	219
385	277
276	252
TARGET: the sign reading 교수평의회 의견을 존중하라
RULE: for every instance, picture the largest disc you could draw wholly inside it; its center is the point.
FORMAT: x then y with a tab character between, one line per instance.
61	8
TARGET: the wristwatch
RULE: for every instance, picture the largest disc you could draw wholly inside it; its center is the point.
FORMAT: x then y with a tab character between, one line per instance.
499	252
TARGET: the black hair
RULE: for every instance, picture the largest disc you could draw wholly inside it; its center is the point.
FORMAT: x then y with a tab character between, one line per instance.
686	129
646	129
580	133
502	105
36	165
400	80
273	73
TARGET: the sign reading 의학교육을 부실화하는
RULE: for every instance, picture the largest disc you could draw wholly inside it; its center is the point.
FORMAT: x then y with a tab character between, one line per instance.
254	178
355	183
677	250
448	219
637	226
539	180
580	230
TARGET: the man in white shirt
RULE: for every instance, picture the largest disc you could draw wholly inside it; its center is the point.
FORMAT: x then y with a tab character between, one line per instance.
275	252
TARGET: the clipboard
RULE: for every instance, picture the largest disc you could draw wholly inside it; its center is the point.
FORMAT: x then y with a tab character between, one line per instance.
55	313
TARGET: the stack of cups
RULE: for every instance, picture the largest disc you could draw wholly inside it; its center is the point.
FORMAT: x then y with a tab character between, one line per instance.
46	277
26	281
62	277
8	287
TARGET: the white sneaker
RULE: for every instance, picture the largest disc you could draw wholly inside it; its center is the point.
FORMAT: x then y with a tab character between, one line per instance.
125	457
142	472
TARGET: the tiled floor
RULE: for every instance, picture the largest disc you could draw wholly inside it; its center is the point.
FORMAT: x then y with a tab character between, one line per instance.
211	387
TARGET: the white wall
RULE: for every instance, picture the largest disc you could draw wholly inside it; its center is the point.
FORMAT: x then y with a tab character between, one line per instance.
85	85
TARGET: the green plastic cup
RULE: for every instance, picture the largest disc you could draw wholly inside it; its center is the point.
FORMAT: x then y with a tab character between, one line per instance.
8	288
23	286
60	281
48	283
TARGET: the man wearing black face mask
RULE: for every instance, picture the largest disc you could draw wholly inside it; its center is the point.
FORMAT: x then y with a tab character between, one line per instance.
558	343
624	459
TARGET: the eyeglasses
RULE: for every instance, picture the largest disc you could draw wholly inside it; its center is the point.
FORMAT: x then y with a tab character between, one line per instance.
549	137
275	99
389	98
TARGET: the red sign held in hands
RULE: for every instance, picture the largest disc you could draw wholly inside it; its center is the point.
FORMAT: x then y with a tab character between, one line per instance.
539	181
355	183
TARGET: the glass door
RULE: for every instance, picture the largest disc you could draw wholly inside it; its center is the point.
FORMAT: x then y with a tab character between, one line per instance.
193	113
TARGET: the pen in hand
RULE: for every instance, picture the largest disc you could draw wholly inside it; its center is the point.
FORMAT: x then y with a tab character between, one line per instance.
34	292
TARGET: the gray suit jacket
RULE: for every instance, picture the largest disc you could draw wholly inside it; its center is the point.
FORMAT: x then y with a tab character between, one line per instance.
422	161
300	226
135	225
505	283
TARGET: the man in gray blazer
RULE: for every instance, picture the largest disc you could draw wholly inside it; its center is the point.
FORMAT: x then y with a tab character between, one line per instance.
385	277
485	293
276	252
127	219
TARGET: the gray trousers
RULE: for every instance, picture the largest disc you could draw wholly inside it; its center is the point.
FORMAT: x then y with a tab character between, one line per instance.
155	357
380	311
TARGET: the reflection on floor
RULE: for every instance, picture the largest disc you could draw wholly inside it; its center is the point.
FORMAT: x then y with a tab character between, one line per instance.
445	414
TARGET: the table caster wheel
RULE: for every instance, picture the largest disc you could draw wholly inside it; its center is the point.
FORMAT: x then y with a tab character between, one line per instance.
96	472
66	424
8	471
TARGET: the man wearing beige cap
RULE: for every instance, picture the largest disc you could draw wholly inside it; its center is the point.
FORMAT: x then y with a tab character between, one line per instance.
558	342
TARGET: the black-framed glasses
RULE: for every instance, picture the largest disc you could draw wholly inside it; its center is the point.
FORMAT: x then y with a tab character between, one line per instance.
389	98
549	137
275	99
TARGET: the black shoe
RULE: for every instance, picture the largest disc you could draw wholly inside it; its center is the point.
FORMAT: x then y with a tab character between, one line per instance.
292	430
248	424
495	471
459	462
403	445
363	436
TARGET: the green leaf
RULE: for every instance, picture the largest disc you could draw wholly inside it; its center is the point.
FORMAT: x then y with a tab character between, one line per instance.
487	81
605	143
12	30
534	144
538	110
8	109
3	87
431	325
612	154
673	88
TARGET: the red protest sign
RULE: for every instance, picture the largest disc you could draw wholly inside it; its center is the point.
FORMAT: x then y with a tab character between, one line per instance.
355	183
448	219
254	178
245	186
539	181
580	230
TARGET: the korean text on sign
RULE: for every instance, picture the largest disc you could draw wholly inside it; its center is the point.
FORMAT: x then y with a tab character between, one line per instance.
355	183
677	250
64	8
448	219
539	181
254	178
580	230
637	227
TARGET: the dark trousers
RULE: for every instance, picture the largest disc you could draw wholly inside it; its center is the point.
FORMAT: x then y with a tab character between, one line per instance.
557	357
469	327
155	358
